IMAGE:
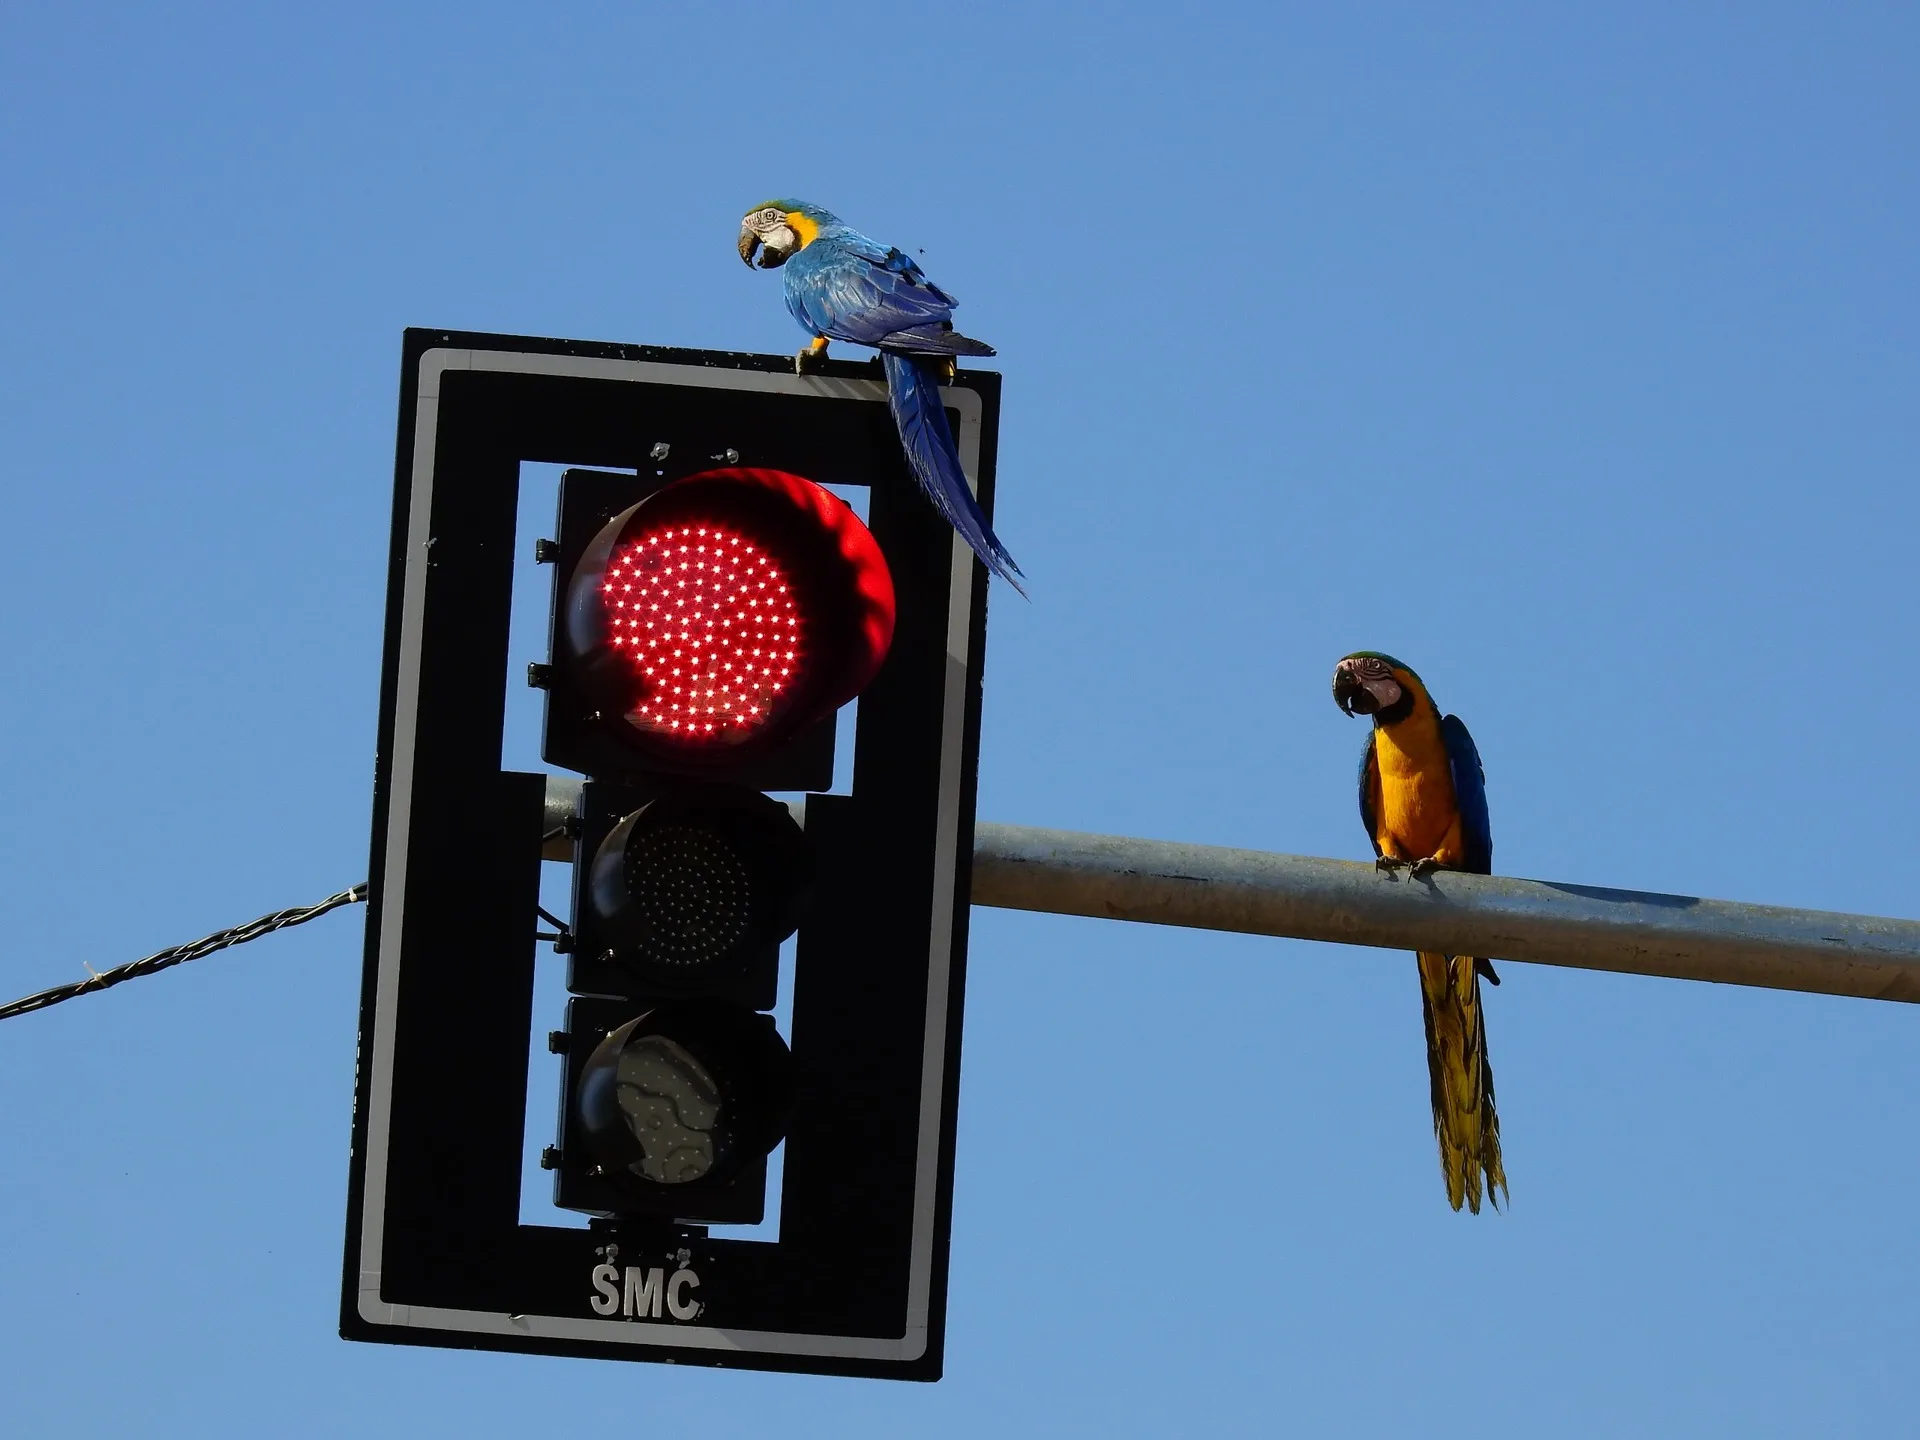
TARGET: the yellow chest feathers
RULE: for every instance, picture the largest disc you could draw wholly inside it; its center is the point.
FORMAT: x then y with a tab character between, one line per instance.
1417	807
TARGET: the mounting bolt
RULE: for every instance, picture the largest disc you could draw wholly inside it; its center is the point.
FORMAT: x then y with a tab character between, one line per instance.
545	552
539	676
550	1158
557	1041
563	945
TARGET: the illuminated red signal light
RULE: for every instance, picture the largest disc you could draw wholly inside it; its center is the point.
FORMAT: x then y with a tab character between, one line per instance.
711	625
728	611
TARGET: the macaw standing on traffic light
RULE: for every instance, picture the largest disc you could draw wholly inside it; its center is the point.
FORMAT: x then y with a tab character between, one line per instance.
1423	799
840	285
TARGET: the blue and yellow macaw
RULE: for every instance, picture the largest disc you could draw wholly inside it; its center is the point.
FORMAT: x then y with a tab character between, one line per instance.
840	285
1423	799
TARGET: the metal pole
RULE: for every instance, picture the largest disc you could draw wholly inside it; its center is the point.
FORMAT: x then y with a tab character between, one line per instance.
1208	887
1635	932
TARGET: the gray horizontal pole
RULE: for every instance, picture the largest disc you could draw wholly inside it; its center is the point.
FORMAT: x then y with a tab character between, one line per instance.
1302	897
1634	932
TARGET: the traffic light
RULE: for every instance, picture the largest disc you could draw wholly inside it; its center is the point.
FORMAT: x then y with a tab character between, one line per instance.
715	606
705	633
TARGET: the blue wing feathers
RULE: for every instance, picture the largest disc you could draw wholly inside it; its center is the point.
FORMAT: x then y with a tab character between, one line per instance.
1470	794
1369	791
913	390
935	340
845	292
845	286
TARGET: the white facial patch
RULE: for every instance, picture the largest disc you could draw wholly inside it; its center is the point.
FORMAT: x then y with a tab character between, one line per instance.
1385	692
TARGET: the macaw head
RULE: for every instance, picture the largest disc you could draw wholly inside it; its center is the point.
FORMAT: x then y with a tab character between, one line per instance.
1369	683
780	229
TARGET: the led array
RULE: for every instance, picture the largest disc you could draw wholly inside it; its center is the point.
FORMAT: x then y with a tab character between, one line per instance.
710	624
693	892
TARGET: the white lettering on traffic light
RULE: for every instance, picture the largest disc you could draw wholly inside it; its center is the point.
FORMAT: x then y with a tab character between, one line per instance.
639	1292
681	1307
643	1293
606	1280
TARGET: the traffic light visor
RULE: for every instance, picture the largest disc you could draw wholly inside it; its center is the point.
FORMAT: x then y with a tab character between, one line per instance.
727	611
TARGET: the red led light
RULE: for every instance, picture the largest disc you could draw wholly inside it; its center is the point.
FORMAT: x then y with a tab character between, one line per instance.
708	621
714	620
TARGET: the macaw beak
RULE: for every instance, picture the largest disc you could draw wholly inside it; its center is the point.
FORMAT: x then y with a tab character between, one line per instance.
1362	697
775	249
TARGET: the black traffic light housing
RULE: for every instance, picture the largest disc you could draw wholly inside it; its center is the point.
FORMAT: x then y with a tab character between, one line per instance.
866	1089
649	919
705	631
586	679
751	1081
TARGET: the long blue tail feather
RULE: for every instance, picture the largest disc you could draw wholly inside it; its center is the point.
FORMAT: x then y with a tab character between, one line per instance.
913	390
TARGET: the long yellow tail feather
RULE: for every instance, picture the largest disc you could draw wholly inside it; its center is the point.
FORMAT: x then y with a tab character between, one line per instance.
1464	1119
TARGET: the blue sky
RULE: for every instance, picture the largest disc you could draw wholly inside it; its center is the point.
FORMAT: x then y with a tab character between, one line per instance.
1565	352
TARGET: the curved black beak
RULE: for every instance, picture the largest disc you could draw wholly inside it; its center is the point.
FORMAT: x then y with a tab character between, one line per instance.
1350	695
1358	695
772	255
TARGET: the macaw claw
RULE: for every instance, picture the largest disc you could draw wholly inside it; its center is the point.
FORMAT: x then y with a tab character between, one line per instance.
813	352
1417	869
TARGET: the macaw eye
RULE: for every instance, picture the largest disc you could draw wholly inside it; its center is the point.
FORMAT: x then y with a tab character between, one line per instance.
769	217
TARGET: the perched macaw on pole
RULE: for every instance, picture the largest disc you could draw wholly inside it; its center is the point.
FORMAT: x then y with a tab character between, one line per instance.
841	285
1423	799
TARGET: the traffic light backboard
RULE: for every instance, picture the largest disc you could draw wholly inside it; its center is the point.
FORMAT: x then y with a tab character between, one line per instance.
701	838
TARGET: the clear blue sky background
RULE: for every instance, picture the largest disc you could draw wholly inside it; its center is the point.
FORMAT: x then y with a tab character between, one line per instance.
1567	352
